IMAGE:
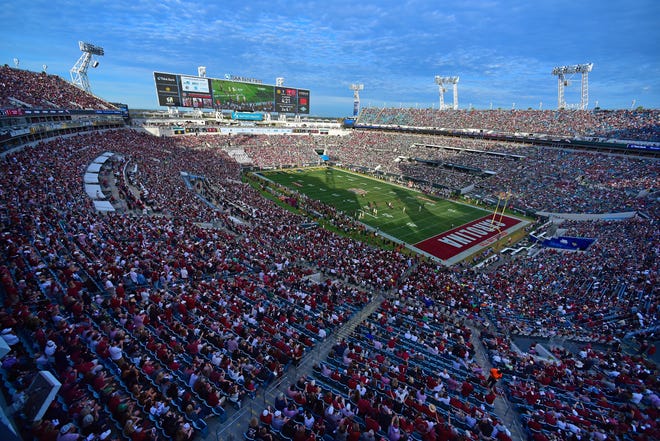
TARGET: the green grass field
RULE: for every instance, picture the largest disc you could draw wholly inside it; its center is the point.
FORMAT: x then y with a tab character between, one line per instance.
405	214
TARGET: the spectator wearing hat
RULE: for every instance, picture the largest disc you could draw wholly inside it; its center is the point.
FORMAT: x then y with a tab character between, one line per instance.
184	432
278	421
266	416
67	433
332	418
347	411
50	349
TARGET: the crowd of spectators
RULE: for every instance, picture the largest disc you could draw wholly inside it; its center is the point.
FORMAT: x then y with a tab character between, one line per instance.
379	384
531	177
564	181
409	370
200	291
586	394
120	252
599	295
43	91
641	125
218	312
277	151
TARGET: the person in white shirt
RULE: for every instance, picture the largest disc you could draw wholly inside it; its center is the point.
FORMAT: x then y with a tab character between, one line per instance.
116	351
401	394
193	379
361	389
308	420
50	349
636	397
9	337
216	359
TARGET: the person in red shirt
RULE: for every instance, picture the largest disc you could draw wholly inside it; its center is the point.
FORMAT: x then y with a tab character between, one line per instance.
466	388
371	424
490	397
364	405
534	425
354	432
266	416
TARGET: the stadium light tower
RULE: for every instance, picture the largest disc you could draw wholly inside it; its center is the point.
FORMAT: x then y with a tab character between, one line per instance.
356	88
79	70
445	81
564	75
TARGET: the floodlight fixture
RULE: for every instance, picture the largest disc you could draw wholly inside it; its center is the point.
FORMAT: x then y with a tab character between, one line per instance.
91	48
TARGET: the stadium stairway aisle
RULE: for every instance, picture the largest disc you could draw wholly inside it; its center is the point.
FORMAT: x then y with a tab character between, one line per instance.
238	420
503	408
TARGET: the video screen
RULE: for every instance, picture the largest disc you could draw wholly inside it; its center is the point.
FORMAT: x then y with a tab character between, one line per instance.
211	93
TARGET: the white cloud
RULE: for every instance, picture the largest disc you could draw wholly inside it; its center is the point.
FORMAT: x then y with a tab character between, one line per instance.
502	50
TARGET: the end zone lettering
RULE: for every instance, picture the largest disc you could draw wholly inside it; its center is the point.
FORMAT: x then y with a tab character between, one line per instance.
467	235
463	238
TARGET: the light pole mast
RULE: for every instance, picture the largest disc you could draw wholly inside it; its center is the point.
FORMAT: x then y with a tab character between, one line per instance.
79	70
564	75
442	82
356	88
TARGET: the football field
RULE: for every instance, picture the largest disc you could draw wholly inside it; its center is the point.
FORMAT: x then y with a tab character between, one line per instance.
436	226
245	93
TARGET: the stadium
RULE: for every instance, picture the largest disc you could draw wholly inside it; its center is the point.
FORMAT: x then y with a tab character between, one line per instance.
234	267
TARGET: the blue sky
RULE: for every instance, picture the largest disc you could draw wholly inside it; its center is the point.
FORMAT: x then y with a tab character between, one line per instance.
503	51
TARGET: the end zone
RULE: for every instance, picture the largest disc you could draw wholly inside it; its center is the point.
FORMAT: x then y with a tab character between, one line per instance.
460	242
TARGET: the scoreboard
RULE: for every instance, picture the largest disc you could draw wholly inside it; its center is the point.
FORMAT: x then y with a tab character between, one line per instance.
176	90
286	99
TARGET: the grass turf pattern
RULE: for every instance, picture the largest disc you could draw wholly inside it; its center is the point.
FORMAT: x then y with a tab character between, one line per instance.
404	213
